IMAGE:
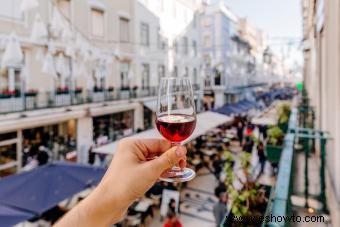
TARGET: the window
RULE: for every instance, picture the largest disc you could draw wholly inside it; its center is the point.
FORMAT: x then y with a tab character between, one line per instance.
194	75
9	9
10	80
161	72
124	29
186	72
194	21
205	21
159	39
124	75
145	76
207	41
194	47
174	9
160	5
144	2
144	34
185	15
97	17
175	71
65	7
63	80
185	45
175	46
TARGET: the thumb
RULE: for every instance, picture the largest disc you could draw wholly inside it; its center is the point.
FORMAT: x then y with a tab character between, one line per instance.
168	159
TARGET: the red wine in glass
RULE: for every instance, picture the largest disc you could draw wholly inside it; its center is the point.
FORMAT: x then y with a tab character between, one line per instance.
176	127
176	119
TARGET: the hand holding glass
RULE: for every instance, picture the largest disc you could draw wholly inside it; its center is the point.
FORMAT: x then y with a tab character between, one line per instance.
176	118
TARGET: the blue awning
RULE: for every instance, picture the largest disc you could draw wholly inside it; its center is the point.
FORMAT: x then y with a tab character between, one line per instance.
237	108
10	216
43	188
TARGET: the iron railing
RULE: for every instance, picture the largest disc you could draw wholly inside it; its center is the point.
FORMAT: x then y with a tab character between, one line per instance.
41	100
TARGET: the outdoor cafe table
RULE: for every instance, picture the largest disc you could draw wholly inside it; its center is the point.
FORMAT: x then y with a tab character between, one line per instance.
208	152
143	205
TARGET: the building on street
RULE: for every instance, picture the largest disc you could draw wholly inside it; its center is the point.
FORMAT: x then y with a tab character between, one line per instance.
321	70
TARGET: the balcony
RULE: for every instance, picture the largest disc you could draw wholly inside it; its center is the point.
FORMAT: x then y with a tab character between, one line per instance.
11	102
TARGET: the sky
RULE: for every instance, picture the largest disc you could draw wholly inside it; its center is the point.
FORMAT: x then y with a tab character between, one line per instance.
277	18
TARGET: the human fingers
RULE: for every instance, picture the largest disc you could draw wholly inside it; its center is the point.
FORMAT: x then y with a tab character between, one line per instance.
168	159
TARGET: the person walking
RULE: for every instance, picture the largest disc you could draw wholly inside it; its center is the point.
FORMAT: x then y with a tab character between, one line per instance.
240	128
262	156
220	208
172	220
217	165
92	156
248	145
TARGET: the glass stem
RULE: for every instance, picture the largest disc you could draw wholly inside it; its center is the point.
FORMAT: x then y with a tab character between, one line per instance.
176	166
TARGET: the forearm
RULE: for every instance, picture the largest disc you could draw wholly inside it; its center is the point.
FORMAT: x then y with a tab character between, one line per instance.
98	209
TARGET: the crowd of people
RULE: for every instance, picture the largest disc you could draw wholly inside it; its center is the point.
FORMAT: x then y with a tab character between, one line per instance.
41	148
206	151
247	140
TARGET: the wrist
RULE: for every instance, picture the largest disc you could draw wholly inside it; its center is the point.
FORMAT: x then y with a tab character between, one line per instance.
105	205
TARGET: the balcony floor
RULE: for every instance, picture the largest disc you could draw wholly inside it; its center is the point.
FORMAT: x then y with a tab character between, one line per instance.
314	188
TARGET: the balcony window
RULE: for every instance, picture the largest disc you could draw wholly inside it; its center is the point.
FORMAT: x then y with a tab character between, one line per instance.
160	4
205	21
194	47
97	18
174	9
161	72
7	12
65	7
207	41
124	75
124	29
63	81
194	75
186	72
145	76
185	46
10	80
159	39
175	72
145	34
175	46
185	16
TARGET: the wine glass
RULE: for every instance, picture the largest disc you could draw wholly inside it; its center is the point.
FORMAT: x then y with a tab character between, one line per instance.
176	118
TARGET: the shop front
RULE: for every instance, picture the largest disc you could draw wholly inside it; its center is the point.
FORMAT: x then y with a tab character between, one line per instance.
21	148
9	154
208	100
58	140
113	126
148	118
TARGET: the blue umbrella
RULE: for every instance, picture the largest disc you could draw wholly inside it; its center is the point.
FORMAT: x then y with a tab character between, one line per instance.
43	188
244	105
10	216
226	109
238	108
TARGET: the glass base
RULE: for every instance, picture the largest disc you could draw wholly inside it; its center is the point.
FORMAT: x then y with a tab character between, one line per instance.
181	176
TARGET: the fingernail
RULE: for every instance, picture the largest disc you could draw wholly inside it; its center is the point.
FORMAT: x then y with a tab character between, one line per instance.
180	151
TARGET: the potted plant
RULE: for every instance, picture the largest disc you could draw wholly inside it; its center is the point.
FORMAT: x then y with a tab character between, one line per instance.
251	199
5	94
78	90
274	144
284	112
98	89
62	90
31	93
110	89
